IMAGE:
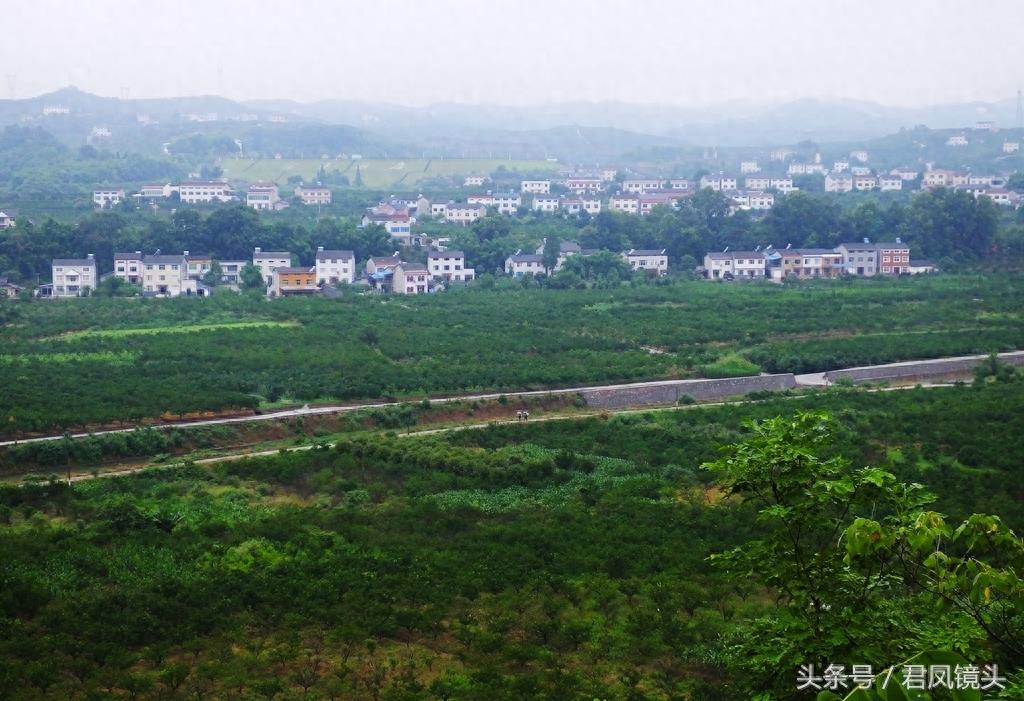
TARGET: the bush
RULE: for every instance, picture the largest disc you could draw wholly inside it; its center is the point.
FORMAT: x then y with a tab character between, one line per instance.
731	365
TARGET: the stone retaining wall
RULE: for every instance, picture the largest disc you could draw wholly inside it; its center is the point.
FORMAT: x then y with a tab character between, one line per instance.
669	392
919	370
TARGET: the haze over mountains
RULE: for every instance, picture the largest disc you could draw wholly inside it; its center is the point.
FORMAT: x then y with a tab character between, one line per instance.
598	130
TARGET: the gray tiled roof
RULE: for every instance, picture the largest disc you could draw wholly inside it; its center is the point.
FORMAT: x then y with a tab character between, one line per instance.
74	261
321	255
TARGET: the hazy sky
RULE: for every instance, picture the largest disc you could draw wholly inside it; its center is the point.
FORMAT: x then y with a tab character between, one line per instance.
899	52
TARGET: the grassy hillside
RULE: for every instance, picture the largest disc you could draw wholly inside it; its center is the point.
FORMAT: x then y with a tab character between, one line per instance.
376	173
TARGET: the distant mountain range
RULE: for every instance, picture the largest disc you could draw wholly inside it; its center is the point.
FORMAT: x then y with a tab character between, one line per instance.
572	132
727	124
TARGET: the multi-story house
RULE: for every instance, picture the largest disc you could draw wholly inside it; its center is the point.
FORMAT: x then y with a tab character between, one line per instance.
651	262
575	205
486	199
535	187
410	279
507	202
201	192
545	203
937	178
565	250
74	277
758	182
957	140
630	204
397	224
105	198
641	185
579	186
815	168
783	185
735	264
8	290
292	281
904	173
464	214
818	262
231	270
333	267
7	218
864	182
859	259
379	265
893	257
840	166
519	264
449	265
859	155
680	184
760	201
748	167
128	267
889	183
608	174
267	261
718	184
313	194
165	276
650	200
262	196
860	170
999	195
1011	146
156	191
197	266
474	180
838	182
782	264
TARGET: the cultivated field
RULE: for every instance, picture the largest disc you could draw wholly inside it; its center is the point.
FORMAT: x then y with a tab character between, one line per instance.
375	173
396	567
125	360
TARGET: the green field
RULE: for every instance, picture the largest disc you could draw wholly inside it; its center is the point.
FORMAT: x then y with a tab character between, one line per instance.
559	561
245	352
376	173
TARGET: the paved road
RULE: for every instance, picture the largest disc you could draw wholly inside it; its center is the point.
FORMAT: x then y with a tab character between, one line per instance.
229	457
340	409
807	380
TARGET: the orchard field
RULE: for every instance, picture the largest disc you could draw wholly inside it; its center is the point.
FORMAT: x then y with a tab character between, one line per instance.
90	361
567	560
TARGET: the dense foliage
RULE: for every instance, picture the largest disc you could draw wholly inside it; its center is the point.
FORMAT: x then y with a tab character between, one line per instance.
428	568
89	361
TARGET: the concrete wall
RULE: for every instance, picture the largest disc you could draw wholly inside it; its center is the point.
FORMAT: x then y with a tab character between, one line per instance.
669	392
923	369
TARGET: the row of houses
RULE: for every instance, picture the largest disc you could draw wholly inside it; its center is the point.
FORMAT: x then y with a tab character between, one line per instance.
848	182
263	196
863	259
177	275
651	262
392	274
